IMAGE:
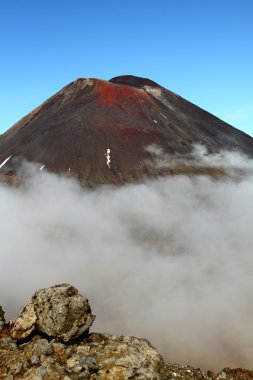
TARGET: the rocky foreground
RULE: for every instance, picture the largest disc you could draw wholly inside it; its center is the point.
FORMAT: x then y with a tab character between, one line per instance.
50	340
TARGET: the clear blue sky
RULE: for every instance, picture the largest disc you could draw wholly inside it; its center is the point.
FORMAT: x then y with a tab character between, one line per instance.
200	49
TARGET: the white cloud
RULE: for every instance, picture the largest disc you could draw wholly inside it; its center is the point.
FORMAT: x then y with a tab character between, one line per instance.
169	260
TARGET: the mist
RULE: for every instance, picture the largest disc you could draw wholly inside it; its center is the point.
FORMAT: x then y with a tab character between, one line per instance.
169	260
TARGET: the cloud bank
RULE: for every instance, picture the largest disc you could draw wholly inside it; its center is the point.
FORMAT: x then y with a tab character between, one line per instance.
169	260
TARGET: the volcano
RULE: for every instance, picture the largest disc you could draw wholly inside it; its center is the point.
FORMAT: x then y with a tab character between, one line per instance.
100	132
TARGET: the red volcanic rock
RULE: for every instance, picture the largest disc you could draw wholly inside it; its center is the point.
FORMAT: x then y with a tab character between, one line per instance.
99	131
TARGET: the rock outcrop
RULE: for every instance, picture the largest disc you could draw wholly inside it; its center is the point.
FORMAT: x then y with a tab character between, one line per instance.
60	312
97	356
57	345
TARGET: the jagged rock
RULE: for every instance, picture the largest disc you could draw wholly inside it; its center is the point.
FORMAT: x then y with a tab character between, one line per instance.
2	320
62	313
97	356
124	358
59	311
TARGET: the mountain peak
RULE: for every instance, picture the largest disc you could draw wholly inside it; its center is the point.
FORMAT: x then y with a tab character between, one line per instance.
133	81
101	131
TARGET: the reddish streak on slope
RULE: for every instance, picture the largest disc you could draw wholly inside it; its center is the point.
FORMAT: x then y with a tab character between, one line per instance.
114	95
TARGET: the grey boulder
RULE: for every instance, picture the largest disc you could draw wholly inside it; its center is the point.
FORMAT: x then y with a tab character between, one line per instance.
59	312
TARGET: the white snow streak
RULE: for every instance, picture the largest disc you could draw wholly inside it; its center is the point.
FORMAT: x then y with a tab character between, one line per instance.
42	167
108	157
5	161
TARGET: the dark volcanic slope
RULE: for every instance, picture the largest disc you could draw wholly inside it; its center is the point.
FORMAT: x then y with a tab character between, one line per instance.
72	131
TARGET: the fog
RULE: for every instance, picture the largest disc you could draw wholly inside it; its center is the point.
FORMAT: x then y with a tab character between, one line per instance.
169	260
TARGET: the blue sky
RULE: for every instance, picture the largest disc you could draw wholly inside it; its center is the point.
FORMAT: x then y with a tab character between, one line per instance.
200	49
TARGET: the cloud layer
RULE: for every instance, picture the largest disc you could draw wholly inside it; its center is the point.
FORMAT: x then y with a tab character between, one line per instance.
169	260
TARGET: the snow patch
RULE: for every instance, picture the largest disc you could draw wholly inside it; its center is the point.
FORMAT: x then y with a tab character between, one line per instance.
163	115
156	92
5	161
108	157
42	167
